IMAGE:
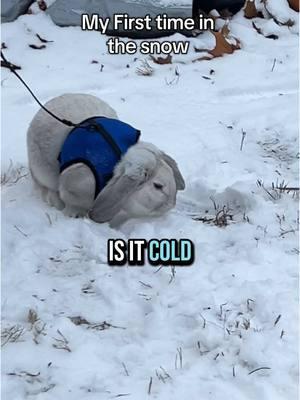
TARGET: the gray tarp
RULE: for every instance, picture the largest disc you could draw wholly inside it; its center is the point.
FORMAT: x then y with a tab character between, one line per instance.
66	13
11	9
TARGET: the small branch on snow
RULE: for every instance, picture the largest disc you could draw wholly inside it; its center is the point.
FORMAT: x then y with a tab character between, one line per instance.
249	301
145	284
178	355
204	321
150	386
37	47
42	39
104	325
200	351
173	273
61	344
258	369
19	230
145	69
125	369
24	373
162	376
243	138
277	320
288	231
11	334
12	175
273	66
38	330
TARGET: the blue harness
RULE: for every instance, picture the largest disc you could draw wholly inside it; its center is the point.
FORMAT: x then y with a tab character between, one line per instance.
98	142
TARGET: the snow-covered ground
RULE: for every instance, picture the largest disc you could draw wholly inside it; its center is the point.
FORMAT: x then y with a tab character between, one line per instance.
198	332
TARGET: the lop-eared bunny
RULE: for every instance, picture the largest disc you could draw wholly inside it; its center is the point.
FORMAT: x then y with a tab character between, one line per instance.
143	183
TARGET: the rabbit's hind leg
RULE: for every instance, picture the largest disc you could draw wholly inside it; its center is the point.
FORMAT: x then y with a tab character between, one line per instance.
74	212
77	189
53	199
48	195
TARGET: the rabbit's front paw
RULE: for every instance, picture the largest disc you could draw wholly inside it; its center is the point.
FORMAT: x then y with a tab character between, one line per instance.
74	212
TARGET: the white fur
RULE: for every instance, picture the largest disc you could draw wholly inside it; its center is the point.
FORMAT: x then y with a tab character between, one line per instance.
144	183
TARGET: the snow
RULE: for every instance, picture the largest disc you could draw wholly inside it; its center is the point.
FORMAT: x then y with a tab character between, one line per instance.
196	332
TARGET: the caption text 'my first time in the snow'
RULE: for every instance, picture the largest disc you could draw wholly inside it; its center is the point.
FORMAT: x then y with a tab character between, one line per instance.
161	22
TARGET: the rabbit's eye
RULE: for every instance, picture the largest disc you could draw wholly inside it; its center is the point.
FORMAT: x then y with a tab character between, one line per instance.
158	186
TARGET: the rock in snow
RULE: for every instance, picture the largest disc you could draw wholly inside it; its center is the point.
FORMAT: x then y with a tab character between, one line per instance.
11	9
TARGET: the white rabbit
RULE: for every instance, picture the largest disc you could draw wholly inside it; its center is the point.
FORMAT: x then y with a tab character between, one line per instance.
144	182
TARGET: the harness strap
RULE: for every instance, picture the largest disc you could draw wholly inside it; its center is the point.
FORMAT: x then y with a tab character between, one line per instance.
106	136
64	121
8	65
94	125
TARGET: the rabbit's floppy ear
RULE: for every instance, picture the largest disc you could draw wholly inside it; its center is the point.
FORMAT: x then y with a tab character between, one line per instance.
180	184
132	171
110	199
